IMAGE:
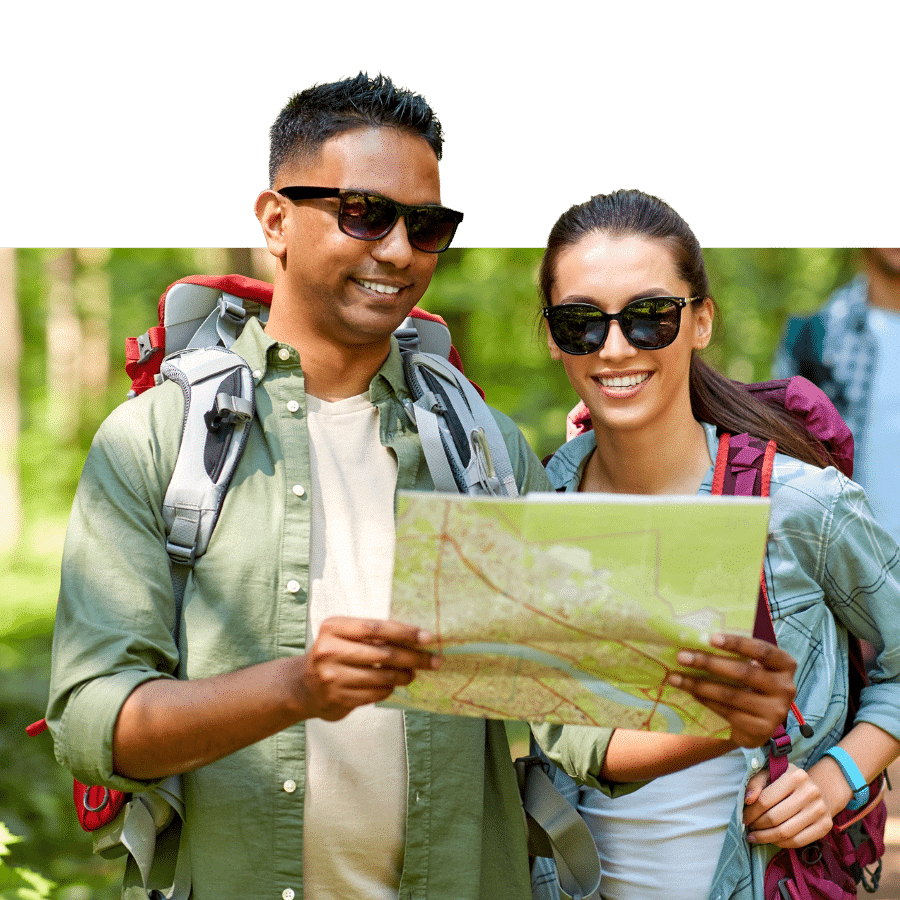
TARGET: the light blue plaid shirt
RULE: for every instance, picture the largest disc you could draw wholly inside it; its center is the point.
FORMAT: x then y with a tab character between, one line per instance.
847	352
829	568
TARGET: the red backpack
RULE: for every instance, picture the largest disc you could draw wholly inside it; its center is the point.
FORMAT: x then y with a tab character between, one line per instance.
832	867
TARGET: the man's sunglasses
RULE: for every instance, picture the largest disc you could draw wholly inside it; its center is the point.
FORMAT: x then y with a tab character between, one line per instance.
370	217
649	324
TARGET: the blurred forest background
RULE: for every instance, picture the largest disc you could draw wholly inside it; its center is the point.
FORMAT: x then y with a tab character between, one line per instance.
64	317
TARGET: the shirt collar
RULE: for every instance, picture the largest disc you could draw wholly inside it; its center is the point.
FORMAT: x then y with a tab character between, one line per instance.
255	346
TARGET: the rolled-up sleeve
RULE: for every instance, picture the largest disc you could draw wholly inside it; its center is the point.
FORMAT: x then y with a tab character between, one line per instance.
579	750
116	615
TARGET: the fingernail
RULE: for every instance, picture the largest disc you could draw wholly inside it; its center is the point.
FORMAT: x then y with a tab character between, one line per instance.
425	637
437	662
751	838
675	679
685	657
717	640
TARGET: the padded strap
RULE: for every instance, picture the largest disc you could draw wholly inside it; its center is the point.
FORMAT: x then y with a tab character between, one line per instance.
197	489
488	468
429	428
563	833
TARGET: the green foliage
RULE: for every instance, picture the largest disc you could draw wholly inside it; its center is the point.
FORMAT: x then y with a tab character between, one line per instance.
488	297
18	883
35	792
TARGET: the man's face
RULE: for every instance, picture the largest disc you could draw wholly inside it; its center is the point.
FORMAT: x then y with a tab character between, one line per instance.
343	289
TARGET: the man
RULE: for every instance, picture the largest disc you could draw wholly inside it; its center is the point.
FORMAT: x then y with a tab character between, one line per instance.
848	348
259	690
285	629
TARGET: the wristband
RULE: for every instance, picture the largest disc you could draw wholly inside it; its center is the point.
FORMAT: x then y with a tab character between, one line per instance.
853	775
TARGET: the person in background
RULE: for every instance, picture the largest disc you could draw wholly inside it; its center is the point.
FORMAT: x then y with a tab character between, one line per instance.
849	349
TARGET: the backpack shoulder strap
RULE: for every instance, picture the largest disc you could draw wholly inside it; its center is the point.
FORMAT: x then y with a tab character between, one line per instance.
555	827
462	444
218	406
744	469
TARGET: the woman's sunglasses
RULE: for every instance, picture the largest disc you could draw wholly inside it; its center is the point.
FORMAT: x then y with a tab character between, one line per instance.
650	324
369	217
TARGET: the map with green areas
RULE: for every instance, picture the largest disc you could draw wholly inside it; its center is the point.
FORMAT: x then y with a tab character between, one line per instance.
571	607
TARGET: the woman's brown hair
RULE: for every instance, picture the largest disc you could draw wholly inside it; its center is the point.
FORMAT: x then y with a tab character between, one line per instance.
714	398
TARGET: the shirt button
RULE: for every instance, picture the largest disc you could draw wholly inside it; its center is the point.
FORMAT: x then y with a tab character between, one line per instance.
293	586
754	764
290	786
257	374
285	354
298	490
287	894
293	406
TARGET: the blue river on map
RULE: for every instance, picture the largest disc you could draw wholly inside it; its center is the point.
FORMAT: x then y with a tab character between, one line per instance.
596	686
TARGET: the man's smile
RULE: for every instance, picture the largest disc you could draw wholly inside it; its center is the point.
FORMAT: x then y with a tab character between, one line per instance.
379	286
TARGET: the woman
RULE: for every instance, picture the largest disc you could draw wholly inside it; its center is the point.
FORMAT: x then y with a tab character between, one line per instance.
627	307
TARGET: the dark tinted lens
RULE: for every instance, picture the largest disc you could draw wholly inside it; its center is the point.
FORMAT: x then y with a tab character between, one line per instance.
577	329
651	324
367	216
431	228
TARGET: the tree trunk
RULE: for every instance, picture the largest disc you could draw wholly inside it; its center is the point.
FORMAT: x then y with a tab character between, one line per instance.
10	411
92	295
64	347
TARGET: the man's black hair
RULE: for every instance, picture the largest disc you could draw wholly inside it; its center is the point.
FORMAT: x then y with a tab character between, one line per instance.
324	110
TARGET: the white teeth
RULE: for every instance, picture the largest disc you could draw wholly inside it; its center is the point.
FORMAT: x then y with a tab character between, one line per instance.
624	382
381	288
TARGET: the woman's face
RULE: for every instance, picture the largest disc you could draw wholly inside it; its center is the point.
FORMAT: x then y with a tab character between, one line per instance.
624	387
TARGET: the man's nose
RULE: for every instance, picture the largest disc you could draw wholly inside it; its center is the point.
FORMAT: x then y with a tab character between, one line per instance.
395	247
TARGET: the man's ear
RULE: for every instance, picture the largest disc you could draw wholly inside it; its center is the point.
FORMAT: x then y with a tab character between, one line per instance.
555	352
703	321
272	213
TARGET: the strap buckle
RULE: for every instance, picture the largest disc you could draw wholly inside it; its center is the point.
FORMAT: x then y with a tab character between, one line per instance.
228	410
780	745
524	763
233	312
145	347
183	556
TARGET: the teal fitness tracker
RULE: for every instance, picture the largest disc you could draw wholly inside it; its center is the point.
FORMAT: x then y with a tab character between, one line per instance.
853	775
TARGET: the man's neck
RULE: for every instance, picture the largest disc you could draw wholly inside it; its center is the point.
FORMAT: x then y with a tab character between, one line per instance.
330	371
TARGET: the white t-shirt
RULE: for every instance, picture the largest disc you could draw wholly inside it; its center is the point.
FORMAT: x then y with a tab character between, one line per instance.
882	445
663	841
355	807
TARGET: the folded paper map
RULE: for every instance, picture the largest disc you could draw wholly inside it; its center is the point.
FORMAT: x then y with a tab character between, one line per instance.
571	607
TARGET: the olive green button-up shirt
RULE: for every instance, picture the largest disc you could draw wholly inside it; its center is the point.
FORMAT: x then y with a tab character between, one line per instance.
246	603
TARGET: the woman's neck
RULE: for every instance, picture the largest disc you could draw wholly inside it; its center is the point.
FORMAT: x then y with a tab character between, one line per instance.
648	461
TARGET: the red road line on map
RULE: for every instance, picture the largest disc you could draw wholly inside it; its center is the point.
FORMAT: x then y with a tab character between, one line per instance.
563	699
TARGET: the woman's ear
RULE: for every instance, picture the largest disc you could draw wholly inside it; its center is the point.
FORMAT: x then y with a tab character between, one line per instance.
555	352
270	210
704	313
